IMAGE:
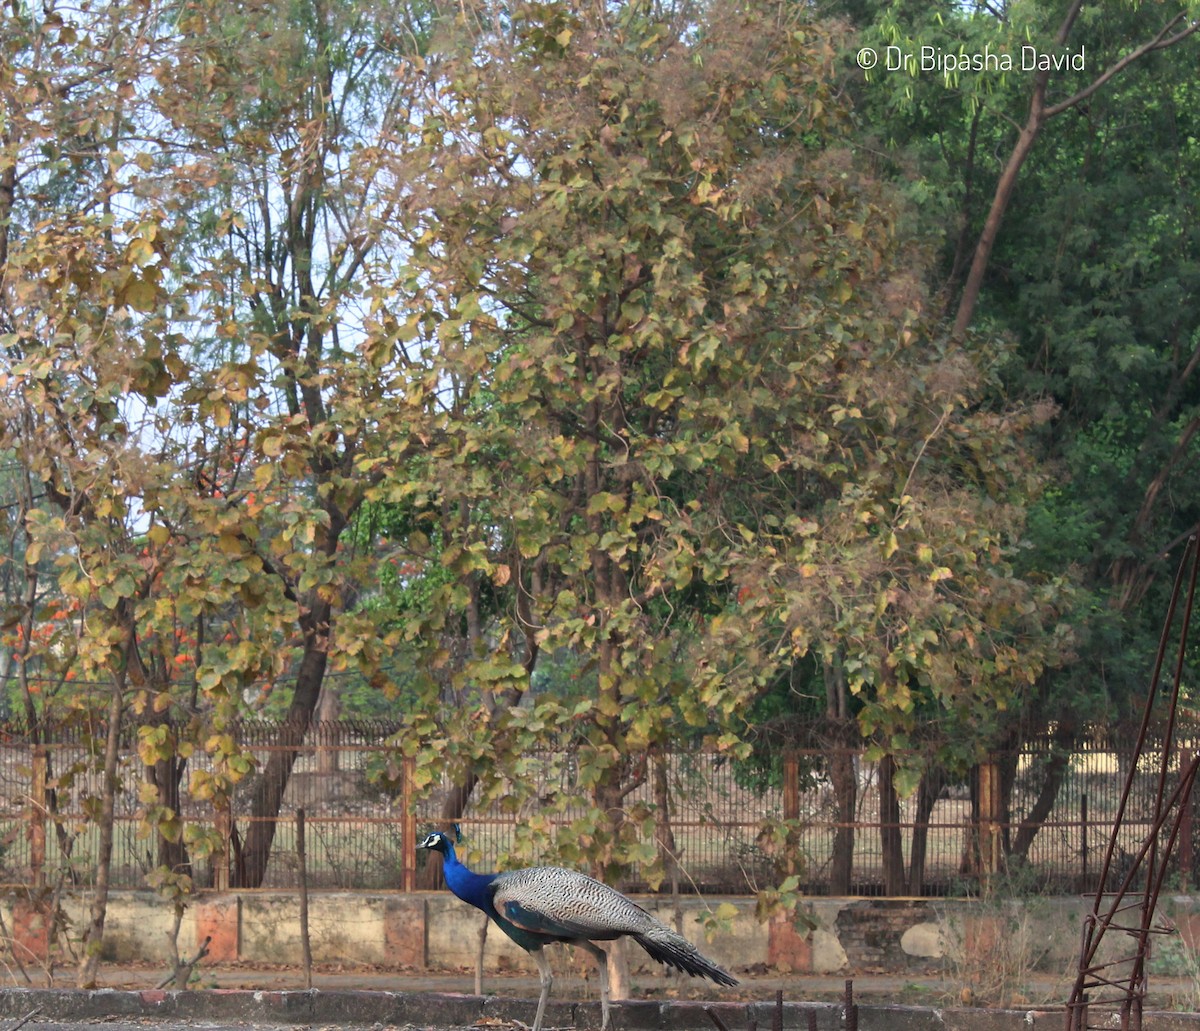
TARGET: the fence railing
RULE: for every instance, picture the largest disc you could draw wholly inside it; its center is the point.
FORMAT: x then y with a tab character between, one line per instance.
723	816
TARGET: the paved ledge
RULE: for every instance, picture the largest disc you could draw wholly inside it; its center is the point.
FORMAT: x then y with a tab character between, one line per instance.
447	1010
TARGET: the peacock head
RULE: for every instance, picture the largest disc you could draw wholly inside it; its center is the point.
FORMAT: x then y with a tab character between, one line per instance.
438	842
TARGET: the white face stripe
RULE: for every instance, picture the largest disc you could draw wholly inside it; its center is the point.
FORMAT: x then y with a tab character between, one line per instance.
433	840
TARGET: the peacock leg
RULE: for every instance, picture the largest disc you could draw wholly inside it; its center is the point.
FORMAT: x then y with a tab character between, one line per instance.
602	964
547	976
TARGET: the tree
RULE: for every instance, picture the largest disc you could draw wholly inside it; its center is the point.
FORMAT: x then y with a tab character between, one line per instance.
1038	53
198	483
683	407
1059	259
76	284
1175	29
289	425
1099	262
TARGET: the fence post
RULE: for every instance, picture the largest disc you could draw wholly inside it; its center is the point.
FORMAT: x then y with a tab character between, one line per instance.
791	786
37	817
302	860
990	811
408	880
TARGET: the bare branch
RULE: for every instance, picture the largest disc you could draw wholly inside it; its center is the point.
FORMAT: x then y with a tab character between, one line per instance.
1159	42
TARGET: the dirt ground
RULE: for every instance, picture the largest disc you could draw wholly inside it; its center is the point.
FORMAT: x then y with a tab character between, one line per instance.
918	989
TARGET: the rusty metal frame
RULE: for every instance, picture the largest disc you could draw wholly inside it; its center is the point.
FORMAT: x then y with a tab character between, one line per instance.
1122	982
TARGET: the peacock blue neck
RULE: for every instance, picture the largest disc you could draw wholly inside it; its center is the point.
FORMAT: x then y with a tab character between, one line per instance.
469	886
476	889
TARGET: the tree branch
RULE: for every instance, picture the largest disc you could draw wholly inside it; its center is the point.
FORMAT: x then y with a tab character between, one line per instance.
1039	112
1157	43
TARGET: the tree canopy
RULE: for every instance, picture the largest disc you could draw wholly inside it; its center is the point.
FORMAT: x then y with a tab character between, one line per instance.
602	374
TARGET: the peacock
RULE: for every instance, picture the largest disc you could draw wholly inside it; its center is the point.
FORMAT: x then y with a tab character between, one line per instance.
538	905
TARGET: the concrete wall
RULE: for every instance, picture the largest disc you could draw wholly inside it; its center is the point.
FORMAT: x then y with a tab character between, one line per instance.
434	931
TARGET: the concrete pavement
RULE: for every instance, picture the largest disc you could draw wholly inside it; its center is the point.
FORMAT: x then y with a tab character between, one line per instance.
369	998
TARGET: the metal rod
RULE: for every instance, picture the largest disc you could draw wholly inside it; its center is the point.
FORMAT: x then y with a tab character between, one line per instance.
1147	863
715	1017
302	863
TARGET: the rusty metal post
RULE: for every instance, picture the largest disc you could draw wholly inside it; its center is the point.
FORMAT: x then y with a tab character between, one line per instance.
302	864
791	786
990	810
1186	830
37	817
408	879
1124	907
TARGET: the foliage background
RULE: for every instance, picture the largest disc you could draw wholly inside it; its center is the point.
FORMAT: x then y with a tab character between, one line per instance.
620	375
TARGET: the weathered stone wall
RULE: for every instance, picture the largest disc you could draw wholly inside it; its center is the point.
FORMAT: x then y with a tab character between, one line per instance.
434	931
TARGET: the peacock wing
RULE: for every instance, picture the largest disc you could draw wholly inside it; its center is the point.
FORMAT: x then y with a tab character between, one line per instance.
564	903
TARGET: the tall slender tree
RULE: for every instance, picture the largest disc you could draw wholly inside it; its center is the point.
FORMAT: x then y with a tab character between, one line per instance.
685	408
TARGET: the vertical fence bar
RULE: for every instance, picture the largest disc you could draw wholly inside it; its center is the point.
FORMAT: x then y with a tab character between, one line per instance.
302	864
1083	836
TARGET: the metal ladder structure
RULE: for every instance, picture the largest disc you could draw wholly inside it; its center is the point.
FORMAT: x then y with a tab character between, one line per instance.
1119	984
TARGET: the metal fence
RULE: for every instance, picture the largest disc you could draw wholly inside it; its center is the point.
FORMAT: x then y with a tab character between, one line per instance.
721	813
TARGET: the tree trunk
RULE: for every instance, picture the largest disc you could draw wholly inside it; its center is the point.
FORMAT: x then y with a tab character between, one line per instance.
889	830
609	797
250	866
664	834
845	794
1062	745
932	782
166	775
991	226
329	710
843	779
93	935
618	969
429	876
